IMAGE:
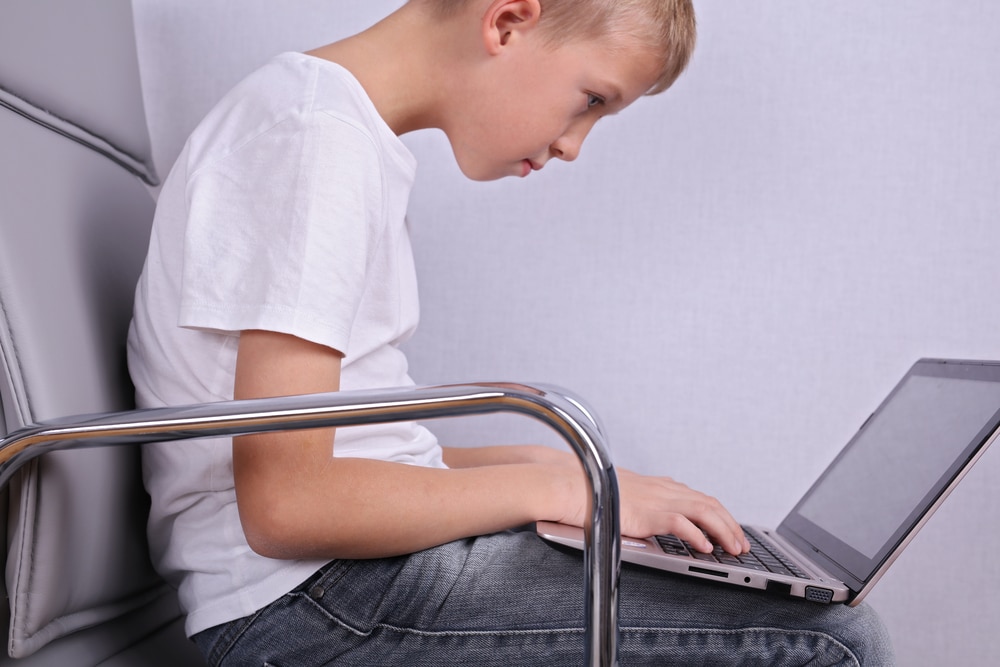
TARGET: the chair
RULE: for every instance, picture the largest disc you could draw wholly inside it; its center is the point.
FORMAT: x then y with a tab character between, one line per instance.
75	212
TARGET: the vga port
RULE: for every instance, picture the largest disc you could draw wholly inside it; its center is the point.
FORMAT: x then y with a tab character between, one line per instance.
814	594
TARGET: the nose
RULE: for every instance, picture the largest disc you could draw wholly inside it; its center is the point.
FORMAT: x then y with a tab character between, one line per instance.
565	150
567	146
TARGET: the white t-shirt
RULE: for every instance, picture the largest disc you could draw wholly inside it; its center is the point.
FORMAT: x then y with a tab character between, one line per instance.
286	212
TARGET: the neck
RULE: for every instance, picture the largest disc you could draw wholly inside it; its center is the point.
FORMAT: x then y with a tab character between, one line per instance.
399	62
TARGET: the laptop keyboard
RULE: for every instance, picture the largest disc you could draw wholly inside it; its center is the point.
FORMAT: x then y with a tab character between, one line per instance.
760	558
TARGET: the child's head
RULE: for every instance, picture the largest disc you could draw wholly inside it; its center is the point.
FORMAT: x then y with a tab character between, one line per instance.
519	82
665	27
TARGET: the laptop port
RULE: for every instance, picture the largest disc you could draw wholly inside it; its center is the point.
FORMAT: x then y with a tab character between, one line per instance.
778	587
714	573
824	595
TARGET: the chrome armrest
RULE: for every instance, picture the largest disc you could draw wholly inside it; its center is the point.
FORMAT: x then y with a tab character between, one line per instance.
560	410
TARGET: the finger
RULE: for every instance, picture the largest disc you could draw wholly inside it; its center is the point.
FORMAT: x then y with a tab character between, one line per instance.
710	516
701	534
692	534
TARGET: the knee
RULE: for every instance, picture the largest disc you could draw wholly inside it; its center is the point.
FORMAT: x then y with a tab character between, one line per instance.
864	633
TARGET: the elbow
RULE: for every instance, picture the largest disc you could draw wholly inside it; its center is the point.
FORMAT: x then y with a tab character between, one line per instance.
269	534
268	545
282	530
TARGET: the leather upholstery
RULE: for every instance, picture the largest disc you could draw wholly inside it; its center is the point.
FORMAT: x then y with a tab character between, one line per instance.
73	65
74	224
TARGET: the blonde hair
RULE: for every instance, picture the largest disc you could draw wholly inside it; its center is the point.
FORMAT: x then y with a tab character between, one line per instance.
667	27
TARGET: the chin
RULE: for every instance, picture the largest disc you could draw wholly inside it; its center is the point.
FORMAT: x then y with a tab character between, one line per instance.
481	175
481	172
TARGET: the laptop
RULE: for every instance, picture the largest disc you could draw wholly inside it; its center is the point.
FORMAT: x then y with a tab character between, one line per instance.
855	520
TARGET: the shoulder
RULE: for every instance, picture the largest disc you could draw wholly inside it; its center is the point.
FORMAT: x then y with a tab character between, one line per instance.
293	95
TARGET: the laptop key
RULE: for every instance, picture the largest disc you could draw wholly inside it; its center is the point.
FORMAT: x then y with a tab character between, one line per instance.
754	566
672	545
760	558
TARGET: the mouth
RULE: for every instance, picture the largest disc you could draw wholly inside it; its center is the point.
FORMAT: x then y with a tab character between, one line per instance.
528	166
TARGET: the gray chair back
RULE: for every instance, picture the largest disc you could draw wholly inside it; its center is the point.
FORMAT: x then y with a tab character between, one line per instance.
75	212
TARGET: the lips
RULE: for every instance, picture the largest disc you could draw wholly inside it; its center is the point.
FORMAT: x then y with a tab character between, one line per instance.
529	166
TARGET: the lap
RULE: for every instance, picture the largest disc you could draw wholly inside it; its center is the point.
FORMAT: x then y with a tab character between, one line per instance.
512	599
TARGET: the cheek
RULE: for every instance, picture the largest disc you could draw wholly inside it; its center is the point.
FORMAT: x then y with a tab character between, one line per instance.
531	132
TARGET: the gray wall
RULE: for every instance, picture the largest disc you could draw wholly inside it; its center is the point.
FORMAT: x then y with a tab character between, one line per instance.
733	273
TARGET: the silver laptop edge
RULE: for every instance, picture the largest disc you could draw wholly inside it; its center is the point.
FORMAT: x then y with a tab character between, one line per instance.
916	529
648	553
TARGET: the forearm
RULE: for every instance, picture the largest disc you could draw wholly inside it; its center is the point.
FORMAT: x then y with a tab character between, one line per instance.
470	457
359	508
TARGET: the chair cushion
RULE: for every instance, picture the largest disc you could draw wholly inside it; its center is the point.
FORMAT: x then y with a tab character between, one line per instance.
74	227
73	232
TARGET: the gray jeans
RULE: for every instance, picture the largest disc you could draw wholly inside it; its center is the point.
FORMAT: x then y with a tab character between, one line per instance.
511	599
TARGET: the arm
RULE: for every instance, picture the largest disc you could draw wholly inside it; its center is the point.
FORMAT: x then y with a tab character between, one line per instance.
636	490
471	457
298	501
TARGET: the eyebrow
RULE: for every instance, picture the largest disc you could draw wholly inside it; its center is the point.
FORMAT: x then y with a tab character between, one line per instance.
616	93
614	101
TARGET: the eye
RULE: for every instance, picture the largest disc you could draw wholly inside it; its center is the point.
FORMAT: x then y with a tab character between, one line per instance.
594	100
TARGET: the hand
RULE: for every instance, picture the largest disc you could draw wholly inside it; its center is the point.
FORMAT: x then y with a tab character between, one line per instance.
659	505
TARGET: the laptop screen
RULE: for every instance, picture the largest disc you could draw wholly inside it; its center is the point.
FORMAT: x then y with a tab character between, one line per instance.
897	465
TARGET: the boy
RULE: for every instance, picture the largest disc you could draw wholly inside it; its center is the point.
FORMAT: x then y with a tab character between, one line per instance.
280	264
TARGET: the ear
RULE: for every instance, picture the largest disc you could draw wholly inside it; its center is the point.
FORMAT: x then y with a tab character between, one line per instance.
505	21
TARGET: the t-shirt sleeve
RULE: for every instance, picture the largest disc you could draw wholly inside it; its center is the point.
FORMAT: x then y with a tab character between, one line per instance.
280	231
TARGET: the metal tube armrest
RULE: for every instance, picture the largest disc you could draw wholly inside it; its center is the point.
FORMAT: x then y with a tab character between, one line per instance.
557	408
